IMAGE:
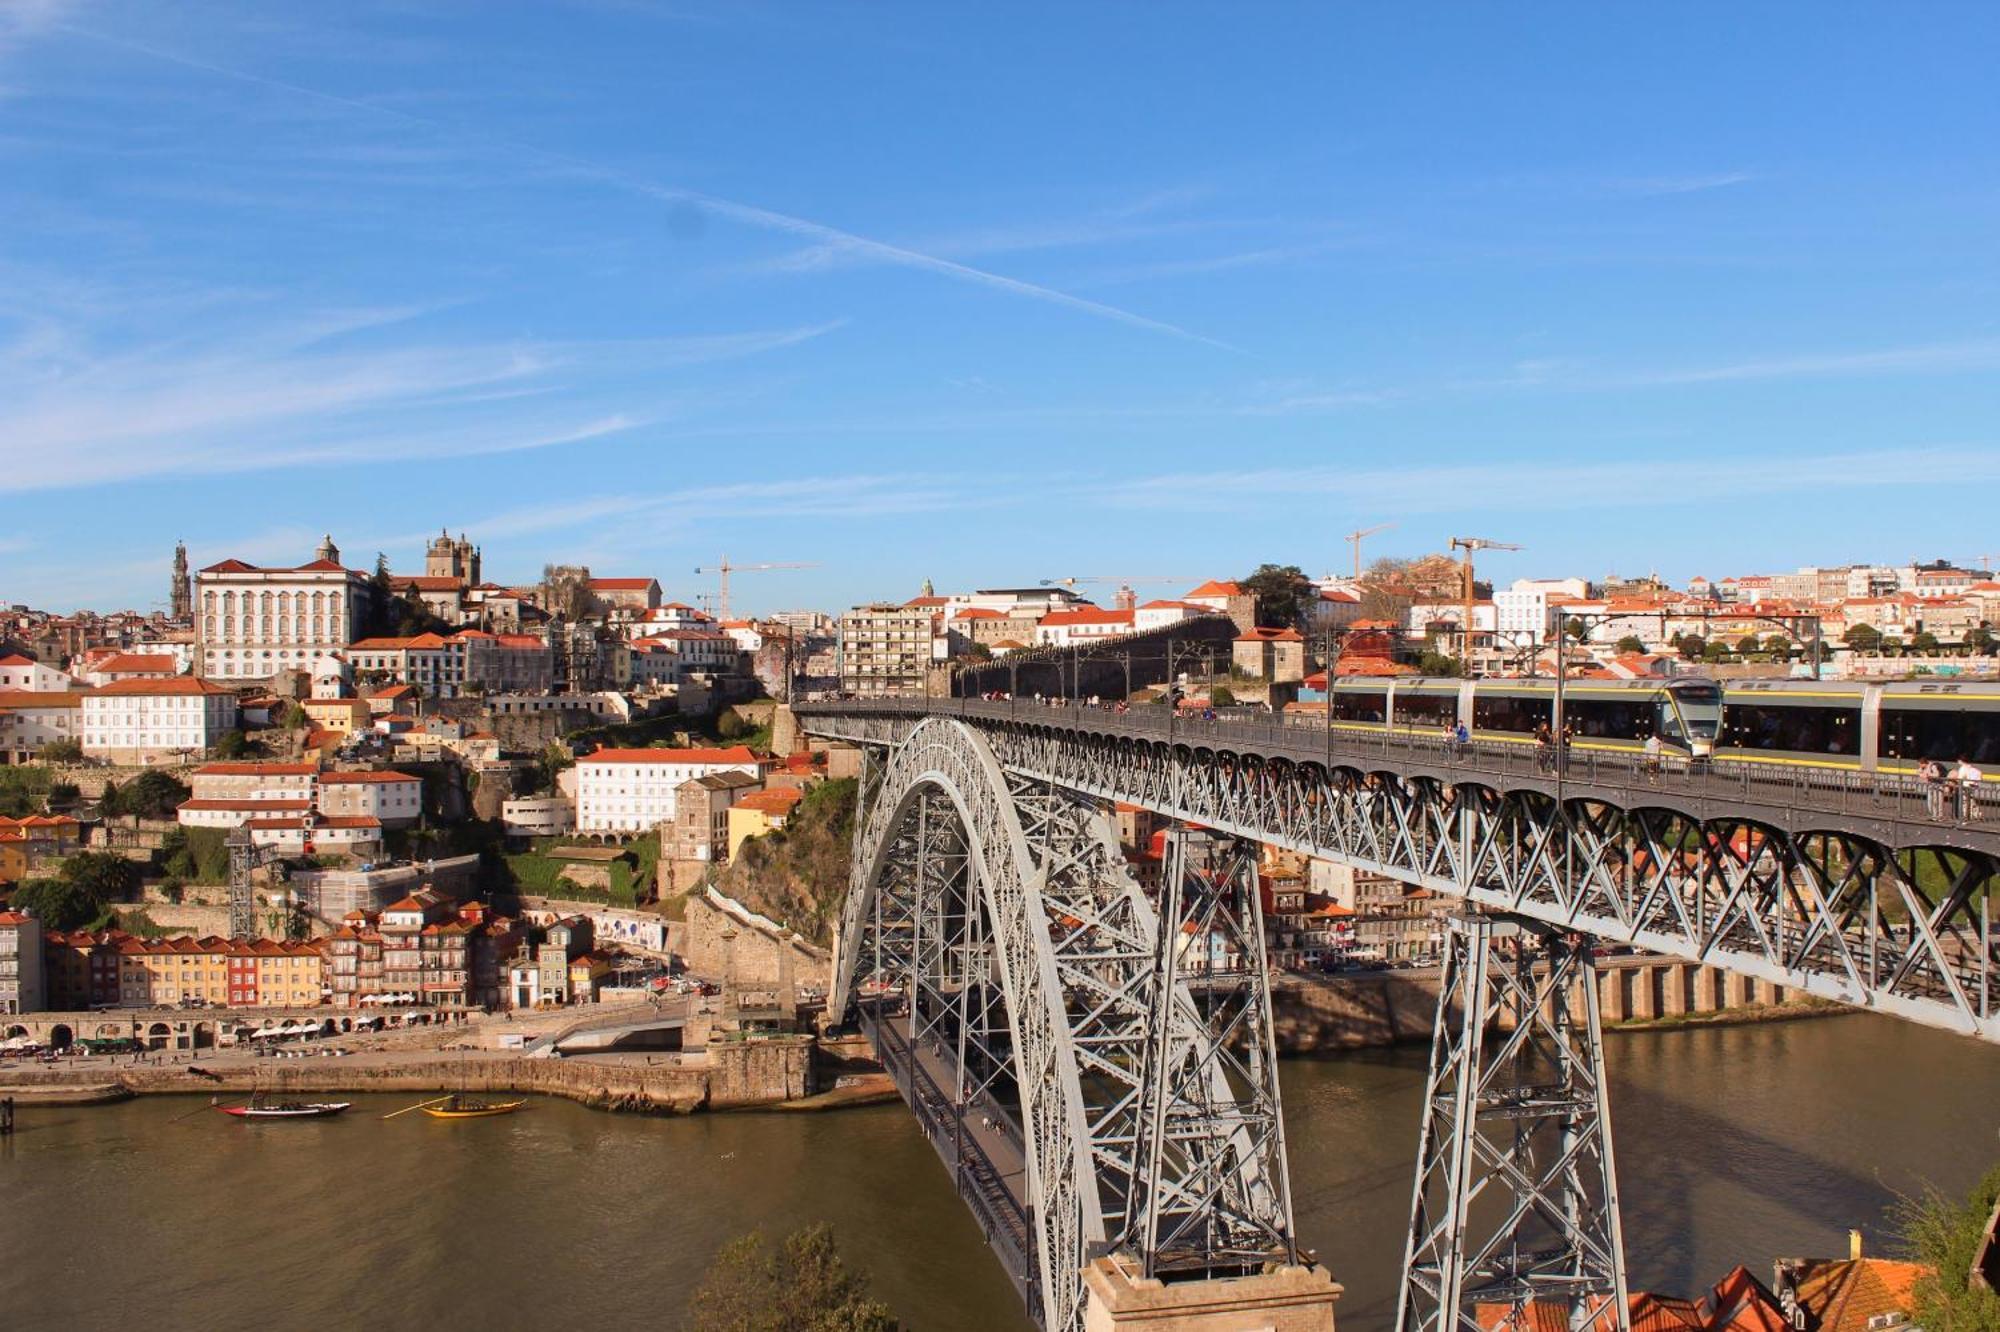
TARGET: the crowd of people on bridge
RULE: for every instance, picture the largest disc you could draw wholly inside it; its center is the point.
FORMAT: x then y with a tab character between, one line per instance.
1951	792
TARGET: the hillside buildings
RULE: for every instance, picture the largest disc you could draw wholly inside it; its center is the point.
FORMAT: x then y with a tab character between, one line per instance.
637	790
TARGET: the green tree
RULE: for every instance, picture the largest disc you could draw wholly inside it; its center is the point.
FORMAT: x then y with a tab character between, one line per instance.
1749	644
1945	1236
1632	644
1716	652
1440	663
1981	640
1282	590
151	795
1925	642
65	750
1691	646
1578	630
231	744
1778	646
731	726
1222	696
295	715
58	903
1892	645
803	1287
105	875
1863	638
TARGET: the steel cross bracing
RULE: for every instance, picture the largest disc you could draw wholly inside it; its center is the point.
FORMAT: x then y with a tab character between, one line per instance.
1516	1202
997	909
1904	929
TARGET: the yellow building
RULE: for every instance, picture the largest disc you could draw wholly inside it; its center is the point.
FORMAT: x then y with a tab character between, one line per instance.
760	812
219	973
342	716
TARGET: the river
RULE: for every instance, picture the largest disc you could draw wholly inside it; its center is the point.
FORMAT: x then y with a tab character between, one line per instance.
1734	1144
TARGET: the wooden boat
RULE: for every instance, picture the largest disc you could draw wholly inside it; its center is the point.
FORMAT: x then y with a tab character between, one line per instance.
467	1107
259	1108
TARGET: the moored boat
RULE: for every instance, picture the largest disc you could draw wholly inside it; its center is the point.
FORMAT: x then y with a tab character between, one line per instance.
468	1107
259	1108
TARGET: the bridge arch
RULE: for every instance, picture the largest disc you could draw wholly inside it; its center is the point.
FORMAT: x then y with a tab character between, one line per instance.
948	764
972	884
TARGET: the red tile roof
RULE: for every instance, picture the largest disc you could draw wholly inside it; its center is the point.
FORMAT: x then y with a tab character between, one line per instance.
361	778
733	754
255	770
777	800
129	662
620	584
1217	588
247	806
1086	615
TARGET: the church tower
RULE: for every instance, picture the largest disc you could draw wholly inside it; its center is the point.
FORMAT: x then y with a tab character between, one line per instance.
327	550
181	599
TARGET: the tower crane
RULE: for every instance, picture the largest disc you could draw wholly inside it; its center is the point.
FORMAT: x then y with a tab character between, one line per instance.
725	568
1354	539
1468	545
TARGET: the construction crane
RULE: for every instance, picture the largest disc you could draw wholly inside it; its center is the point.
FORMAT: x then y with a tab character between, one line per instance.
1468	545
725	568
1354	539
1125	581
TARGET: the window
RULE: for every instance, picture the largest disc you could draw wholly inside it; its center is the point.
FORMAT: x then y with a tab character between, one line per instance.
1520	714
1942	733
1360	705
1796	729
1426	709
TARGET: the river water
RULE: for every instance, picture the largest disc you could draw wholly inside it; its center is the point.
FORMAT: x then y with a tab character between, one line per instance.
1734	1144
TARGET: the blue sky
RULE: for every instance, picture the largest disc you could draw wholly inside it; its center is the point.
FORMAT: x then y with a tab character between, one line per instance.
992	296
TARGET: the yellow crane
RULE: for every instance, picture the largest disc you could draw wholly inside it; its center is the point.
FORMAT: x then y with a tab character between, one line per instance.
725	568
1468	545
1354	539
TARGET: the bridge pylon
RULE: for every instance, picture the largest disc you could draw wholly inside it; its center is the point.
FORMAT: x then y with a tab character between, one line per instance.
1516	1198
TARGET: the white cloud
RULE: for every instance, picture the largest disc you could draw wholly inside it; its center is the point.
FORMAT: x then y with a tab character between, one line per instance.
1720	180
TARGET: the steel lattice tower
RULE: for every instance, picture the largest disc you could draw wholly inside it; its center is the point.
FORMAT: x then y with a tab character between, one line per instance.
1516	1200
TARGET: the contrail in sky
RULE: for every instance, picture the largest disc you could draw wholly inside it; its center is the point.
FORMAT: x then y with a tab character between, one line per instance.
750	214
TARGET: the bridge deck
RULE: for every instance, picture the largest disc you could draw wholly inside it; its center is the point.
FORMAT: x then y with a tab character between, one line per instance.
977	1142
1892	808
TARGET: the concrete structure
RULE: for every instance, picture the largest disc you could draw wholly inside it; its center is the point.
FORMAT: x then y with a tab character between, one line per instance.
538	816
19	672
21	988
144	721
253	622
1274	655
727	939
1287	1299
623	791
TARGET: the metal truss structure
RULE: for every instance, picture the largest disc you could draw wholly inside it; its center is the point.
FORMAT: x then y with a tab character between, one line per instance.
1516	1202
1885	914
1050	1037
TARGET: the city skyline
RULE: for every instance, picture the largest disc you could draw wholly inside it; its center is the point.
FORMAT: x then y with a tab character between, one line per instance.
593	288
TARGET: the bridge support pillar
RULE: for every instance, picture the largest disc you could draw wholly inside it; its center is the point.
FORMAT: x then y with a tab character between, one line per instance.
1515	1120
1283	1299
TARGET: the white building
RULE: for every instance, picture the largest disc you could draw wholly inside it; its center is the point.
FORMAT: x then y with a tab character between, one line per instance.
1523	609
116	666
537	816
435	665
19	672
1086	624
395	799
21	989
143	720
225	794
30	719
1160	614
253	622
632	790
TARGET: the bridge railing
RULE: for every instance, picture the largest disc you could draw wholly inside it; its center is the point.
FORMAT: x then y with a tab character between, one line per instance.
1894	796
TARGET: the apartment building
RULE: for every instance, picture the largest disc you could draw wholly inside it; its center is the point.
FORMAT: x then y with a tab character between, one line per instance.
142	721
623	791
886	649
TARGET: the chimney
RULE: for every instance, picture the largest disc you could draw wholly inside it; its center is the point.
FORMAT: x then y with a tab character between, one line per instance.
1854	1245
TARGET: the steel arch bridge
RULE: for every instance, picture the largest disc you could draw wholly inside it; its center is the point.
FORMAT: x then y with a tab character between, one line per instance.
1093	1085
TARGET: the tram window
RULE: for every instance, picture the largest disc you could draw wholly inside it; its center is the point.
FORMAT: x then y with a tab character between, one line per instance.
1504	712
1610	717
1941	733
1426	709
1801	730
1361	707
